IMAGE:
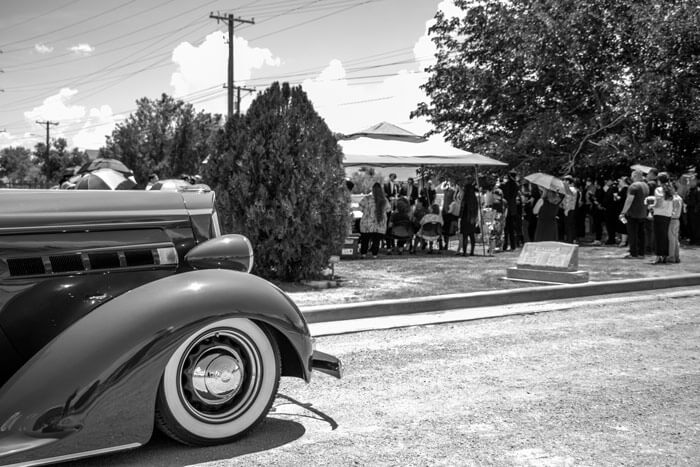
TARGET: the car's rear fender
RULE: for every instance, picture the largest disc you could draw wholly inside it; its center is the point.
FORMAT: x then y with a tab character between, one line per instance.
93	387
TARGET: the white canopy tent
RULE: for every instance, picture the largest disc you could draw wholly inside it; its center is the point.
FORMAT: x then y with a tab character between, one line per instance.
372	152
369	149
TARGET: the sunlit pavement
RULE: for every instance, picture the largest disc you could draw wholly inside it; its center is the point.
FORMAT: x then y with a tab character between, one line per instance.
467	314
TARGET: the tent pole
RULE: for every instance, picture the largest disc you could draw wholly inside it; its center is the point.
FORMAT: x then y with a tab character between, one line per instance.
481	212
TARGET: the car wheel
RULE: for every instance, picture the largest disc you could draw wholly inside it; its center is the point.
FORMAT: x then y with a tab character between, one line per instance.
219	383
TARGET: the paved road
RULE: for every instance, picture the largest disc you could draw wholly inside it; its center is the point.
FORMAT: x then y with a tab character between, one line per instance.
604	384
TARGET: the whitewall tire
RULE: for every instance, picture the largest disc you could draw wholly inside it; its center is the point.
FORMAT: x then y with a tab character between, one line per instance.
219	383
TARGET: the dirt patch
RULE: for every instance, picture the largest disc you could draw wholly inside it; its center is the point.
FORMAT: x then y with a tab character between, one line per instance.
391	277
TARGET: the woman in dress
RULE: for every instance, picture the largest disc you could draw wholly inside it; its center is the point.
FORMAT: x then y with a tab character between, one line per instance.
663	209
468	216
373	224
546	211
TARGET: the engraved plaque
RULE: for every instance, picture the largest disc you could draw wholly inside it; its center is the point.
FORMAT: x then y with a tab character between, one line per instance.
549	256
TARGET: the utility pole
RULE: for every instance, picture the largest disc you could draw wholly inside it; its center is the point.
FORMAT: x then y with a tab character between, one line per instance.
238	97
230	20
48	123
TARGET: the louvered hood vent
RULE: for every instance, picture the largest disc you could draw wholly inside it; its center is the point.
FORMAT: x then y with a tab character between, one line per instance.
89	261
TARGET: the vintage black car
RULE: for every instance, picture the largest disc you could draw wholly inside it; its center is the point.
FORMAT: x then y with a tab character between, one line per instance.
125	310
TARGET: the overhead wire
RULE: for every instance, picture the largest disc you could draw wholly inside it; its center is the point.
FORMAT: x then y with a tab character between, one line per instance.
36	17
68	26
216	92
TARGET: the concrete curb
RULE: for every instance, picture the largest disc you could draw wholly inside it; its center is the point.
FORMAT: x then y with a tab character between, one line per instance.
325	313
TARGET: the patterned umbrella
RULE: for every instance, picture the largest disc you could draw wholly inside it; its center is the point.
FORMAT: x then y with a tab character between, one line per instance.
548	182
105	179
104	163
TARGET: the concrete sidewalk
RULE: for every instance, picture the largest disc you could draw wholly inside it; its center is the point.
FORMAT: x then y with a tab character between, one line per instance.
328	328
494	298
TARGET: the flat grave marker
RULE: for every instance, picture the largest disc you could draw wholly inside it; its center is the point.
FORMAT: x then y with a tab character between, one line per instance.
548	262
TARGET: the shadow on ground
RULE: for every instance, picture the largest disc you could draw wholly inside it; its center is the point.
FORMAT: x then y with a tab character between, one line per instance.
278	429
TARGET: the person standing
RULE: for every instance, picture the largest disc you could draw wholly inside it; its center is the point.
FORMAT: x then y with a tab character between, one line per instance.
692	201
663	208
468	216
623	184
595	193
391	188
546	211
674	229
410	191
448	195
634	213
569	206
651	179
510	196
375	210
611	211
428	194
391	191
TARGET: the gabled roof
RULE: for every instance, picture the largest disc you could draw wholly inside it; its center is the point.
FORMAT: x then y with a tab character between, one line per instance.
385	130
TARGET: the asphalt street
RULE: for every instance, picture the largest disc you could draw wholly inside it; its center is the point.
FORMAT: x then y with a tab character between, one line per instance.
455	388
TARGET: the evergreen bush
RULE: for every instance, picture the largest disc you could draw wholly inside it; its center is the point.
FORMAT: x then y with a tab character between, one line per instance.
279	179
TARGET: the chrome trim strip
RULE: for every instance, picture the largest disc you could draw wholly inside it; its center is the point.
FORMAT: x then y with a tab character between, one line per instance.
200	212
101	226
78	455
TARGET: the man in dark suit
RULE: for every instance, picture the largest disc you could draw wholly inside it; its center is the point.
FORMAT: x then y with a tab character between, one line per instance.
391	188
428	194
410	191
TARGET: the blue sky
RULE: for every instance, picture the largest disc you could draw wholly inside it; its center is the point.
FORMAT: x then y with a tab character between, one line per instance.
84	63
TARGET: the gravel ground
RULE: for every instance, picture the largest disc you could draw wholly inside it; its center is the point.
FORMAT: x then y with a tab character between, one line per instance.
605	386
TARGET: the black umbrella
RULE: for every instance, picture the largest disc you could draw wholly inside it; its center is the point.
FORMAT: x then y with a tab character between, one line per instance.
104	163
104	179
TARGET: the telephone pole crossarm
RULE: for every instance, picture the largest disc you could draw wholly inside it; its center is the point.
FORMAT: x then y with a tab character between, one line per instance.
230	20
48	124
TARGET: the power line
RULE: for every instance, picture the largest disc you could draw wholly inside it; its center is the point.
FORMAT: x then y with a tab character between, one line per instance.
34	18
63	28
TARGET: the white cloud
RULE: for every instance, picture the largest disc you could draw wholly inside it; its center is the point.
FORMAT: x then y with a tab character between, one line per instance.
57	108
82	49
348	108
43	48
91	126
100	122
202	69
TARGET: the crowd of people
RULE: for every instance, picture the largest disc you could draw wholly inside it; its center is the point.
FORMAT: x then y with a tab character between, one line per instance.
648	213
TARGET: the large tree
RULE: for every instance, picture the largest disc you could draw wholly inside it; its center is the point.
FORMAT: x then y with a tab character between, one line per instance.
561	85
164	136
58	160
17	165
279	179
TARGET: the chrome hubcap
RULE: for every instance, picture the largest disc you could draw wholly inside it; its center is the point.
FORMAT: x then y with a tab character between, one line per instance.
218	375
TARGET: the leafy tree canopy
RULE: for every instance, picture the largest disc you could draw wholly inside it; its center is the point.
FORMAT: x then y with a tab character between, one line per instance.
164	136
58	161
566	85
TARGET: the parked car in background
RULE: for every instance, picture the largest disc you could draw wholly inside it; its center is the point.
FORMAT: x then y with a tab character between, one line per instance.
121	311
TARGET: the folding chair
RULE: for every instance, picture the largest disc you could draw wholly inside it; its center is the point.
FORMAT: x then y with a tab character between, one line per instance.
430	232
403	231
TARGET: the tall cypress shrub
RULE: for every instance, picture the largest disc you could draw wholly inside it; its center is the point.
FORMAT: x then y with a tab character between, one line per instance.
280	181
